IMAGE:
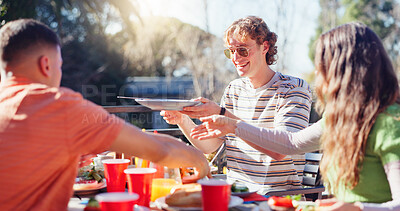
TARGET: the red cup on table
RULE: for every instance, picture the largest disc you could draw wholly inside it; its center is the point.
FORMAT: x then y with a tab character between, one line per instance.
140	181
120	201
215	194
114	174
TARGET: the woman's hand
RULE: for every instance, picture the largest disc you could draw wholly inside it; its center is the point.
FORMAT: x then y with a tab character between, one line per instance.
172	117
213	127
336	205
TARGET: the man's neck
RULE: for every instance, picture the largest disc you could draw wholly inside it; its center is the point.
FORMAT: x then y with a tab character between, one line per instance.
262	78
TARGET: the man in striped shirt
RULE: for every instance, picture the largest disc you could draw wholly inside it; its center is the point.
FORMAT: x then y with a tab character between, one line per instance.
261	97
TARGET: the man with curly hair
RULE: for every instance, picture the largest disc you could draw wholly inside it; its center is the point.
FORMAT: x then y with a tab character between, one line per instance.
261	97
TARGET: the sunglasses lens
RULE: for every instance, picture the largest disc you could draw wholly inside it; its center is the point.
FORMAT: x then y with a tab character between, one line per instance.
227	53
242	52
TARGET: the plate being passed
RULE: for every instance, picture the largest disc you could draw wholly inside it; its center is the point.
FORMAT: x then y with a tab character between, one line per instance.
166	104
160	204
242	194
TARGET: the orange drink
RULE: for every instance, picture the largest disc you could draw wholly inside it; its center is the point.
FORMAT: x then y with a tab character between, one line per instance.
140	163
162	187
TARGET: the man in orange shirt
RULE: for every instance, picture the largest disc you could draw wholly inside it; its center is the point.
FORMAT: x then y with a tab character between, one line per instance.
44	129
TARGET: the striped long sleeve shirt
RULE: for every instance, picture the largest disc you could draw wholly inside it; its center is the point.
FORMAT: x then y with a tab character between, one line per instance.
284	103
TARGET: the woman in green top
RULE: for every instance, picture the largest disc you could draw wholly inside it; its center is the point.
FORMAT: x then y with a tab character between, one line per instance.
358	93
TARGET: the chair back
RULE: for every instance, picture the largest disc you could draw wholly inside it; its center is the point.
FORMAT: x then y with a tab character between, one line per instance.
311	174
312	183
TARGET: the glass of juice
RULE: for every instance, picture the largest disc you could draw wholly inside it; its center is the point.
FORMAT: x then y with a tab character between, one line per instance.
163	183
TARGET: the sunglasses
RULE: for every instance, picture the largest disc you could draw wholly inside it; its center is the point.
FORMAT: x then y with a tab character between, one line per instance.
242	51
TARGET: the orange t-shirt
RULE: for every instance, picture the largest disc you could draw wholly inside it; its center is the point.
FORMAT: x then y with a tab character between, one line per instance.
43	132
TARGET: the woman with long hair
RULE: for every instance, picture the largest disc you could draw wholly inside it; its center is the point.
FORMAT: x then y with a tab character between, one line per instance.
358	94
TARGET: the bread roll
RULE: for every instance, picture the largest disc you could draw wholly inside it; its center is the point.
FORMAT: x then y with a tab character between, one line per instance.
187	195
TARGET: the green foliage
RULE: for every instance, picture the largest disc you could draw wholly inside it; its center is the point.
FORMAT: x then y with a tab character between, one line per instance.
92	65
12	9
97	63
379	15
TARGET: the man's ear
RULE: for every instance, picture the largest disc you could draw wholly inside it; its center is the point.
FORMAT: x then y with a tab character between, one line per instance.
266	47
44	65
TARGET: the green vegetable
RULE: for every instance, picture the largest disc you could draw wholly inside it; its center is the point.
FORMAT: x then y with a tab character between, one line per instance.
294	197
93	174
93	203
97	177
239	187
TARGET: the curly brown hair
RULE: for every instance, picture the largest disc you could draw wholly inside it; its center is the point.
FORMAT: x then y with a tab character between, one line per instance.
255	28
355	82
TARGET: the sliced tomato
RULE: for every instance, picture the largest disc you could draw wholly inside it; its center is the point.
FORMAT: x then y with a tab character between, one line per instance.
280	201
84	181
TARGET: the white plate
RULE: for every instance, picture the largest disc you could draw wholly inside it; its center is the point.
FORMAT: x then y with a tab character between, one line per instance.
242	194
166	104
102	185
263	206
160	204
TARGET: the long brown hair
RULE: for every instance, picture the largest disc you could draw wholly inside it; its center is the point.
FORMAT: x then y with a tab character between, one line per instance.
355	82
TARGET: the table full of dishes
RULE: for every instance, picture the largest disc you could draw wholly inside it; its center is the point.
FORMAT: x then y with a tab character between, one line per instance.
113	184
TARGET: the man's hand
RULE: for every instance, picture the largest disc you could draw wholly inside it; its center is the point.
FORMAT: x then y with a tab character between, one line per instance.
208	108
213	127
336	205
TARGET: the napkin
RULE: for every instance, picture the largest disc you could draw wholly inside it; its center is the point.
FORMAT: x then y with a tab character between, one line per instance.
255	197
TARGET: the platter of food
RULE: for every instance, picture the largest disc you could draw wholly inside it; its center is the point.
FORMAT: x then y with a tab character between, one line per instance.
240	189
161	204
82	186
163	104
89	180
287	203
187	197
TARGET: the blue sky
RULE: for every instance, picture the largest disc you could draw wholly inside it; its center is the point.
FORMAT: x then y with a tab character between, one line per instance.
301	17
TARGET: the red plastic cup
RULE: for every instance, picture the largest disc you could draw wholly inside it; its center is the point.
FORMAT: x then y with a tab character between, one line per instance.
117	201
114	174
139	181
215	194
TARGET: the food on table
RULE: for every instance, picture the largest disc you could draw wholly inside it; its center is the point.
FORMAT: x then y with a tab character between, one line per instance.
92	205
187	195
88	178
305	205
280	203
291	203
90	173
238	187
189	175
185	172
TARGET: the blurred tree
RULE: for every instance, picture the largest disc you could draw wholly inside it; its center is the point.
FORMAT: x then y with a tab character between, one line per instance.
169	47
382	16
92	64
327	19
105	41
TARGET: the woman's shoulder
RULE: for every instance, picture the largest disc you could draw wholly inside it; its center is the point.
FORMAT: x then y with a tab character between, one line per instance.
390	116
387	124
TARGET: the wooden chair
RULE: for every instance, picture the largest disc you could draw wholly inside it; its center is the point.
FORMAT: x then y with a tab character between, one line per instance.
312	183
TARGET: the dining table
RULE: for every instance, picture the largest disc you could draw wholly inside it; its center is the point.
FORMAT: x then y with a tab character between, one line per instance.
79	200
